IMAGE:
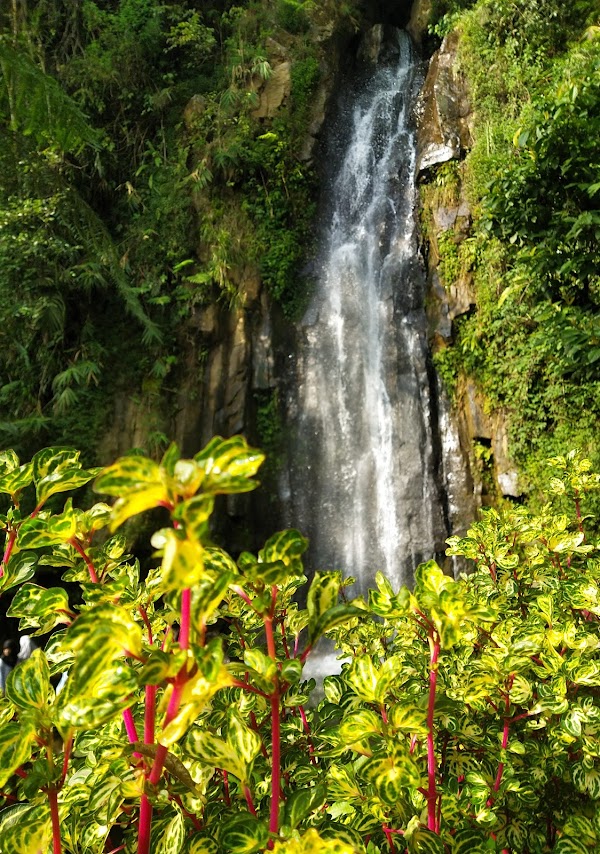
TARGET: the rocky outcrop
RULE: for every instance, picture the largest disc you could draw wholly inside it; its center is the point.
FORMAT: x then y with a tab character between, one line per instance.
444	134
443	111
420	16
274	91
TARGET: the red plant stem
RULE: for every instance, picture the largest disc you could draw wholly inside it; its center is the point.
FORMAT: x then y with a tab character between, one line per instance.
285	643
130	726
53	800
145	824
275	724
384	716
91	568
226	788
505	733
8	550
275	763
186	608
390	839
246	687
161	750
432	823
150	713
242	594
144	615
66	758
311	747
249	801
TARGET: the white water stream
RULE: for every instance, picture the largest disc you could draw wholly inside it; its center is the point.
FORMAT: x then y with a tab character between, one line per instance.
364	483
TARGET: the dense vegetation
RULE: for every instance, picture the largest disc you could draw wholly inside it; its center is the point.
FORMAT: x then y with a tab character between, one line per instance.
137	183
465	719
532	179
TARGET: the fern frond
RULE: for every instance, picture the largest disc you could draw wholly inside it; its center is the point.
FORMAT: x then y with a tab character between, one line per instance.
41	107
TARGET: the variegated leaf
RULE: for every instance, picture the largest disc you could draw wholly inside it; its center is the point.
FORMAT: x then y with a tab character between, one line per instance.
28	684
16	741
20	568
168	833
11	482
242	834
40	609
301	803
42	531
228	465
26	829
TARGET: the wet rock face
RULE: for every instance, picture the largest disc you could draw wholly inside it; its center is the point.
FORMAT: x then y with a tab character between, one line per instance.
444	134
443	111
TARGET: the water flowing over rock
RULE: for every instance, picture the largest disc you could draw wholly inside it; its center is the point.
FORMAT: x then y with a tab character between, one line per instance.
365	481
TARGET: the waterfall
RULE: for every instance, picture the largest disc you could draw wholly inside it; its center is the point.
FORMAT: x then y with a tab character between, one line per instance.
364	480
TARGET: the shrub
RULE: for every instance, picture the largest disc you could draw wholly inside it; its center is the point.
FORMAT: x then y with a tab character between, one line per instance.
465	717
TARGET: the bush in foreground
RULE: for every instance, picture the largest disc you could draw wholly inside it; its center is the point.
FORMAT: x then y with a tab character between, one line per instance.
465	718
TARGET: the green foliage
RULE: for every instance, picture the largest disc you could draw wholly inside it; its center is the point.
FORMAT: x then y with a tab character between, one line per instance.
136	176
465	717
531	344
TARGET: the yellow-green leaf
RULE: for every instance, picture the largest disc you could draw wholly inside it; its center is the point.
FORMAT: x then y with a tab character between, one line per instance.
28	684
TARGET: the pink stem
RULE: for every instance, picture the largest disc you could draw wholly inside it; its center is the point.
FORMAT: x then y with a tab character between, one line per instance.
186	607
66	758
130	726
53	800
91	568
150	714
249	801
8	551
226	788
432	823
275	726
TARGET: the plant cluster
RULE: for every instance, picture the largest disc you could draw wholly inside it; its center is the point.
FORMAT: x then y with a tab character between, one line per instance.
138	183
531	179
465	717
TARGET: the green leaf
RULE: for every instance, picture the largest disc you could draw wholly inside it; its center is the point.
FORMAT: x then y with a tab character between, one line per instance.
182	559
108	626
216	752
408	717
291	670
391	774
16	741
27	830
586	780
286	546
200	844
363	676
356	726
571	845
228	465
301	803
97	690
470	841
38	608
21	567
242	834
168	833
424	841
48	530
323	594
11	482
244	740
58	470
194	515
28	684
138	483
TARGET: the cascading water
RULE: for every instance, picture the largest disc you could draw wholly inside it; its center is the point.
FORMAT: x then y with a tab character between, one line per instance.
364	483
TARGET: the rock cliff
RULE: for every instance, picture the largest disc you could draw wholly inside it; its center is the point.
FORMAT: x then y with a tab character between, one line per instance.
444	116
